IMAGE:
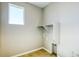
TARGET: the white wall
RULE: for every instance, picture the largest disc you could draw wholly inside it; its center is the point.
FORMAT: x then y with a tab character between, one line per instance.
69	28
21	38
67	16
51	17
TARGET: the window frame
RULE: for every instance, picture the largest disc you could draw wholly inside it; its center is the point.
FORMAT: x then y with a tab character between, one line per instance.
15	6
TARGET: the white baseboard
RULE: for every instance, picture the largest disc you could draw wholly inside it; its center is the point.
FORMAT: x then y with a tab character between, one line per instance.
27	52
31	51
46	50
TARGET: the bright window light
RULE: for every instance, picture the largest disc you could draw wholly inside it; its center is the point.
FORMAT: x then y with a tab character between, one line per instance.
16	14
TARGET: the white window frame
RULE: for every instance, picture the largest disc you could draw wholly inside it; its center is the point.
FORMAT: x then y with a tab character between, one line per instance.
17	23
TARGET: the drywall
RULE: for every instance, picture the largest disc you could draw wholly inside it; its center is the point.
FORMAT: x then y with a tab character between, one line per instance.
21	38
51	17
69	28
65	17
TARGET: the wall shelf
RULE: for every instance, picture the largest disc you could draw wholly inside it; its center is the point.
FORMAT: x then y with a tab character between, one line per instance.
46	27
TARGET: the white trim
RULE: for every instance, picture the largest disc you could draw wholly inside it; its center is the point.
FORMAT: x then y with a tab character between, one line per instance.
20	54
17	55
46	49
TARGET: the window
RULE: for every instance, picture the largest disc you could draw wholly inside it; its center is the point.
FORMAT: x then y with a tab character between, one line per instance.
16	14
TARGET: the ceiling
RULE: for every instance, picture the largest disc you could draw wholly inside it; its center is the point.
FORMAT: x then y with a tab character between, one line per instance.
40	4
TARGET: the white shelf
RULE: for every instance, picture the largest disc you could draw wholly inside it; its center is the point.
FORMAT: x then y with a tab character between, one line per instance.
46	27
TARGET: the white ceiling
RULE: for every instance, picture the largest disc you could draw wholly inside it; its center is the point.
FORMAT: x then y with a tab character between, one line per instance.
40	4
